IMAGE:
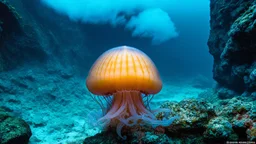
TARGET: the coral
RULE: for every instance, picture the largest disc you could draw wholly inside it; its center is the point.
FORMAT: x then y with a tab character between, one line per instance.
218	128
220	120
239	112
251	132
252	112
232	107
194	114
217	122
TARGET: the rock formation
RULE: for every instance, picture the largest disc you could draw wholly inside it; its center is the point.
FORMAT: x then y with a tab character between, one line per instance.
232	43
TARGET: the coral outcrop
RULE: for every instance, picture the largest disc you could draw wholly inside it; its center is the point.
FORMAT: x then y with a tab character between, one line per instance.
232	44
193	116
200	122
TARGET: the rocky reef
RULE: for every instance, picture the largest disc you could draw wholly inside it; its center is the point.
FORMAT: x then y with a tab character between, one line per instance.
13	130
201	121
232	44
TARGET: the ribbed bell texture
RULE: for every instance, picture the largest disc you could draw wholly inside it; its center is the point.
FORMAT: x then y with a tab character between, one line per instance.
123	68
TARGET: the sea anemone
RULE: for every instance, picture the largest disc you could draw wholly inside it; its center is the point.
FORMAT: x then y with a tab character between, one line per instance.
127	80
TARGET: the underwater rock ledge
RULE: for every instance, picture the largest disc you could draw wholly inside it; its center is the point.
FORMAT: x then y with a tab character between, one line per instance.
200	122
13	130
136	138
32	33
232	44
18	40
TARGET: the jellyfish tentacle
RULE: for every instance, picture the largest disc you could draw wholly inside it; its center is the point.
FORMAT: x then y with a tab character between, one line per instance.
119	130
98	101
130	102
129	110
114	110
141	108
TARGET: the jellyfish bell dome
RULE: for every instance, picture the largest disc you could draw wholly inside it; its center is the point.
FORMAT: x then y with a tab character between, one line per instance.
123	68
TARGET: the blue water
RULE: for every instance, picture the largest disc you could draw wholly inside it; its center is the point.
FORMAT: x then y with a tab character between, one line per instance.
51	95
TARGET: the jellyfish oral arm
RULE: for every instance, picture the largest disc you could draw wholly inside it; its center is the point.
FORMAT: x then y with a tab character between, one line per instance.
128	109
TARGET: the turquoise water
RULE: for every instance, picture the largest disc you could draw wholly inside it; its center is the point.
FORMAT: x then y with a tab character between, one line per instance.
44	67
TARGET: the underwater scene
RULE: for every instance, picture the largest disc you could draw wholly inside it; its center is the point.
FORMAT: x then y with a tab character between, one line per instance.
127	72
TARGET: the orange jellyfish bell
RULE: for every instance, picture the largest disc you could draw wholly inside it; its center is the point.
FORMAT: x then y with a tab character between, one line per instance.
123	68
121	75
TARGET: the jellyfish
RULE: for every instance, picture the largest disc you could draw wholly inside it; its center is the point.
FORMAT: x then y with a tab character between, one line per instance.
127	79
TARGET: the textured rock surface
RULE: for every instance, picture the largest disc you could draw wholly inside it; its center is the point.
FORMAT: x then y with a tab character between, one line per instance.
193	115
218	129
31	33
139	137
18	40
251	133
232	44
9	25
13	130
53	104
208	120
219	120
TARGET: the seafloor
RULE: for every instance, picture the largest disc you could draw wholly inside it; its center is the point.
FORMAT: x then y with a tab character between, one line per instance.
43	97
56	104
